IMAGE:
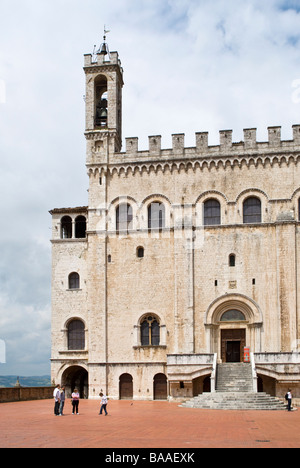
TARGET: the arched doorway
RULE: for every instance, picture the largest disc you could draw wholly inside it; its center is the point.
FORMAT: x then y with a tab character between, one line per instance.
126	387
160	387
75	377
232	322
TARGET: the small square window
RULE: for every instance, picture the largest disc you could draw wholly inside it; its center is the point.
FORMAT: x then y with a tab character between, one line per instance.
140	252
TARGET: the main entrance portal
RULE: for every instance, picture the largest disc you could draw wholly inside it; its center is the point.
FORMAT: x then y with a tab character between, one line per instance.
232	345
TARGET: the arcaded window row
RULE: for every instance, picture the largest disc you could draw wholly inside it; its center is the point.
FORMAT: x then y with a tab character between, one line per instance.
156	217
211	214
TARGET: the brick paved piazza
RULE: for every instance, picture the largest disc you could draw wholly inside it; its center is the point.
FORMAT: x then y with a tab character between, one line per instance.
136	424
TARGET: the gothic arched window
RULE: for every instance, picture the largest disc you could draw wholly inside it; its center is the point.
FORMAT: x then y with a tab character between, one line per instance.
76	335
150	331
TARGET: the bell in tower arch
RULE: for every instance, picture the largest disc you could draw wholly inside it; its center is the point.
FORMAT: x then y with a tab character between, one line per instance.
103	117
101	113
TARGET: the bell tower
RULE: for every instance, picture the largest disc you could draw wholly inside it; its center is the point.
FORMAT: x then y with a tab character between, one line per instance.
104	82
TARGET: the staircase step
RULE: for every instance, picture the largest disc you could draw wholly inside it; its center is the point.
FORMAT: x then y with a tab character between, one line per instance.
234	401
234	377
234	391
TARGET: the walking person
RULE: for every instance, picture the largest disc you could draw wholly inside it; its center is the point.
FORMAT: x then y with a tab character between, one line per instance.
103	403
56	396
62	401
75	401
289	399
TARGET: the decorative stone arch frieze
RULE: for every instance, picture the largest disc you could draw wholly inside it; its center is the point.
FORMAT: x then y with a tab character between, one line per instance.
194	163
246	305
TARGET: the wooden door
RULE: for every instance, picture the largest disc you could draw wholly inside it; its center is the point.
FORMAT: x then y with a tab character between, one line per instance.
232	344
126	387
160	387
233	351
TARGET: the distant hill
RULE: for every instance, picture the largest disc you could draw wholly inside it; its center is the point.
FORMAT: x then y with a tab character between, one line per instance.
34	381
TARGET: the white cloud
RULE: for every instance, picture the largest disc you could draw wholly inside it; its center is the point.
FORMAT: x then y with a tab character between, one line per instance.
189	66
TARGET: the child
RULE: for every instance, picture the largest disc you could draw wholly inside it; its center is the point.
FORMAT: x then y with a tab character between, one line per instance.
103	403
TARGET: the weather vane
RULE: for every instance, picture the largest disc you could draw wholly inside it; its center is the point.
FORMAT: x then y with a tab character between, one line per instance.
103	49
106	31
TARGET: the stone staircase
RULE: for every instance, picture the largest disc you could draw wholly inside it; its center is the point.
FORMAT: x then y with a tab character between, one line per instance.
234	391
234	377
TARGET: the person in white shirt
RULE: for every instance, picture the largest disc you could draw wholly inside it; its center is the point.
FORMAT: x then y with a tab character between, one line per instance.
56	396
289	399
103	403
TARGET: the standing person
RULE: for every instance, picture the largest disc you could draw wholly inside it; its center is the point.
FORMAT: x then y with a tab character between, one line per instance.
103	403
289	399
62	401
56	396
75	401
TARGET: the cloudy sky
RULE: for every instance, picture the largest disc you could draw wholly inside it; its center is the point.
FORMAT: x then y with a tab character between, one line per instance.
189	66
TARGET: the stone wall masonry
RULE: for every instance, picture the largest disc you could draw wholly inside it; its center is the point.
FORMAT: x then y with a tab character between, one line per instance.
25	394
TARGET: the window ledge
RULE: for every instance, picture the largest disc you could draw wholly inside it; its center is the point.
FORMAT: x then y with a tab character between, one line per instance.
150	346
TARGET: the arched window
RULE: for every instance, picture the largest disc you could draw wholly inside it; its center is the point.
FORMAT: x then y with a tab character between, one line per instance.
66	227
233	316
212	213
76	335
156	215
80	227
252	210
232	260
124	217
150	331
101	103
74	281
299	209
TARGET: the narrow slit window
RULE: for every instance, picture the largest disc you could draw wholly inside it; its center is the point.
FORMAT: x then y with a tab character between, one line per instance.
232	260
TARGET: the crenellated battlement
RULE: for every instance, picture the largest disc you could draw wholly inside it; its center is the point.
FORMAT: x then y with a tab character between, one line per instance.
100	60
226	143
227	153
